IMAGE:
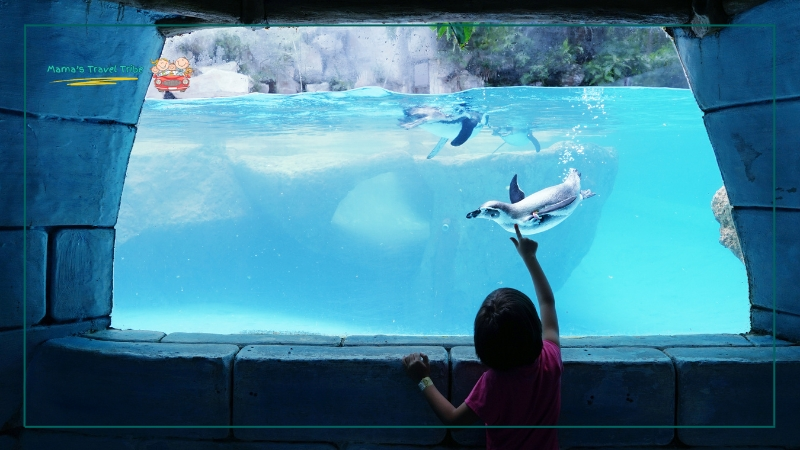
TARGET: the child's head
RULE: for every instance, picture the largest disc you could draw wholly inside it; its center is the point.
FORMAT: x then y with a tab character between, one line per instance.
508	332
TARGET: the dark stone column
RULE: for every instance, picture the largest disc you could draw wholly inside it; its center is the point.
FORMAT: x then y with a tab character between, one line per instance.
751	113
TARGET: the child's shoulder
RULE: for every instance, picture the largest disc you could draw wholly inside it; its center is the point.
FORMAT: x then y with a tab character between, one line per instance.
551	354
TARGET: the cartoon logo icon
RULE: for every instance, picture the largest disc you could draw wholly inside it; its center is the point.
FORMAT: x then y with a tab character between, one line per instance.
171	75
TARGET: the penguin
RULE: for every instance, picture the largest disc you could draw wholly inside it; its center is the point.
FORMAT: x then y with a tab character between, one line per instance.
518	137
454	128
539	211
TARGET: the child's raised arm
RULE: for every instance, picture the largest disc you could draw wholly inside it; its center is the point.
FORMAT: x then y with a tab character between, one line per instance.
547	303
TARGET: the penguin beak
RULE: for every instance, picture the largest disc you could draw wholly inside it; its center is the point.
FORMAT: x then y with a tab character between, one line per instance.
472	214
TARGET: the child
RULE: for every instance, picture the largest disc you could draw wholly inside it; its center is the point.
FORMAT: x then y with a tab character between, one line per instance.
523	383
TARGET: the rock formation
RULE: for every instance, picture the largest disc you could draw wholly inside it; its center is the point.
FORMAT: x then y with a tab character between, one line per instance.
727	232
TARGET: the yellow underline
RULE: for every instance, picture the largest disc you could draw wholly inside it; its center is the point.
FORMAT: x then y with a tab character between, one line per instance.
97	81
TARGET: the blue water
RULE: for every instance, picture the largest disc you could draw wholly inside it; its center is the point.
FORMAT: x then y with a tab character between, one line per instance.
318	213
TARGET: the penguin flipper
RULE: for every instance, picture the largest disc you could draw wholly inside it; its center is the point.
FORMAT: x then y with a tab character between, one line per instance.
438	147
498	148
535	142
559	205
467	125
514	192
413	123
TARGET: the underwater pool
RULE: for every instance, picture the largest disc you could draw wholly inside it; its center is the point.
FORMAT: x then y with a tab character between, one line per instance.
322	213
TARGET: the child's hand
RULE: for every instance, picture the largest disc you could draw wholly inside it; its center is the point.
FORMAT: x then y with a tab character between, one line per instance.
526	247
417	366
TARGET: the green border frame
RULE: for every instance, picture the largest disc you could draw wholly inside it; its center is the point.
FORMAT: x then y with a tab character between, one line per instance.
197	26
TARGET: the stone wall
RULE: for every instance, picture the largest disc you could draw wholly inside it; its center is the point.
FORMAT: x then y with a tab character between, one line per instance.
62	167
61	182
251	389
750	114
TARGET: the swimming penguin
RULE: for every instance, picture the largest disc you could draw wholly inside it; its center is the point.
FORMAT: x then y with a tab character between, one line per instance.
459	127
518	137
539	211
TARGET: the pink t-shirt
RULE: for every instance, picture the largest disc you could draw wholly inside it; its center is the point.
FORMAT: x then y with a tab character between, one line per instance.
527	395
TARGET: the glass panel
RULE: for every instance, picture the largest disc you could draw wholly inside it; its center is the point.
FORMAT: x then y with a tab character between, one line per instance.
346	212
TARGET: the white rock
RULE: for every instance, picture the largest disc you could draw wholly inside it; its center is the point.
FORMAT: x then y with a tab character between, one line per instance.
309	64
231	66
328	43
319	87
216	83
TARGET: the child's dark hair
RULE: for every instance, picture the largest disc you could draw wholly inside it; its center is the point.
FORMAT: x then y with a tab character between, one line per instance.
508	331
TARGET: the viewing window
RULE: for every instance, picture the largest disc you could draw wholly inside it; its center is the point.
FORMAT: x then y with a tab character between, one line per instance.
320	179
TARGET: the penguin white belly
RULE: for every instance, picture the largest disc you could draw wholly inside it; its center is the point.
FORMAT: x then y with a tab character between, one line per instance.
443	129
517	140
547	221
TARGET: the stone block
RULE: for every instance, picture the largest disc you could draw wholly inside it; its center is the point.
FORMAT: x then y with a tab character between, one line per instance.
8	443
34	439
75	381
75	172
11	348
391	340
657	341
788	325
177	444
675	447
742	138
735	65
600	386
82	272
12	265
617	387
253	339
282	386
126	335
44	439
733	387
76	47
391	447
756	234
767	340
11	167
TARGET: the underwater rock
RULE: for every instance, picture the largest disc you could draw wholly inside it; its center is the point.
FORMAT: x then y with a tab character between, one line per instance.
176	186
373	234
728	237
471	252
350	202
378	209
304	198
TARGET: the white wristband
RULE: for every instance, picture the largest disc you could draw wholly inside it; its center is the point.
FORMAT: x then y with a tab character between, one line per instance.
425	383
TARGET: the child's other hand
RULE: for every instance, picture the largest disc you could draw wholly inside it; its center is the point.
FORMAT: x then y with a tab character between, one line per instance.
417	366
526	247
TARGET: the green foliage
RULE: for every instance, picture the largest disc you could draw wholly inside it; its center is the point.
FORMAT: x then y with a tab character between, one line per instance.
459	33
608	68
231	46
506	56
338	84
629	52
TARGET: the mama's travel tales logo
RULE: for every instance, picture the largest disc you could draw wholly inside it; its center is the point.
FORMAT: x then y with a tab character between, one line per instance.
171	75
132	72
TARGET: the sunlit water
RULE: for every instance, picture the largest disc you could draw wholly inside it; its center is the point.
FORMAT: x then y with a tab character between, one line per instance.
319	213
